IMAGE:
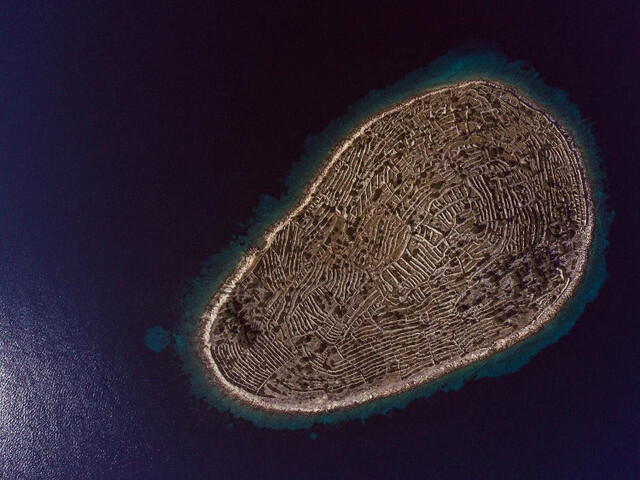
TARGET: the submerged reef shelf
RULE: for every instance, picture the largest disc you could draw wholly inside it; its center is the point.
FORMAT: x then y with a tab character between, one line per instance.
198	340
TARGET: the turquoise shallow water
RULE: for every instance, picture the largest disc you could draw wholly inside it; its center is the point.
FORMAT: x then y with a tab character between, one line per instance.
453	67
157	338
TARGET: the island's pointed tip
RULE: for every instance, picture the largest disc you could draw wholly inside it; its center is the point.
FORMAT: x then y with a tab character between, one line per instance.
157	338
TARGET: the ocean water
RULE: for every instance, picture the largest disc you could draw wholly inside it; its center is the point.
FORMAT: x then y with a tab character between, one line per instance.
137	140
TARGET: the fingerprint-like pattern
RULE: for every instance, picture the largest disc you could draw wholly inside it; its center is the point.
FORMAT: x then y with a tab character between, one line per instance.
444	226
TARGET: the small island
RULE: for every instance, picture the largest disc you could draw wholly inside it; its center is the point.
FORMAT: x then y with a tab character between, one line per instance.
441	231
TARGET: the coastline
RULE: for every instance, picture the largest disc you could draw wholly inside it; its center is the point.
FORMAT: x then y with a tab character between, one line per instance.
388	389
225	396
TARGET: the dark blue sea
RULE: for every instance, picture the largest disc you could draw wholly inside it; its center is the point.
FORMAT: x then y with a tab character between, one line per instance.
136	139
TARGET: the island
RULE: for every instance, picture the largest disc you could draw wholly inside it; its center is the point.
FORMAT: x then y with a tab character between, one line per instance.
441	231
